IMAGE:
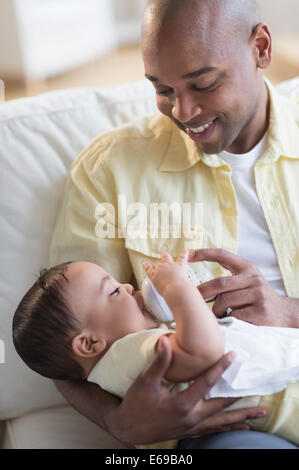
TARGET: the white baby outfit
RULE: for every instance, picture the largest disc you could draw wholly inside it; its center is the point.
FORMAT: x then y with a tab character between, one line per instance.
267	360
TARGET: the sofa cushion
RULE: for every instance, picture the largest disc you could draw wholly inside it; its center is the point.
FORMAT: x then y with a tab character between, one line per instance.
289	87
39	139
60	427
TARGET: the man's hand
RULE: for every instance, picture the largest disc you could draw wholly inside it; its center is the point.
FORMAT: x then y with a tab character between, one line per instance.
246	292
149	413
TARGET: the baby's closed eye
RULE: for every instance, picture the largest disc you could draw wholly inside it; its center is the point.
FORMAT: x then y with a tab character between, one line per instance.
115	291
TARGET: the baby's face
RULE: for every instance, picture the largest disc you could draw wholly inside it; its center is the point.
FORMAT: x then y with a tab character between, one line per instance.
103	305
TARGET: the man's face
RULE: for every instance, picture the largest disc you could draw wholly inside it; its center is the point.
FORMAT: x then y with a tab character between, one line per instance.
206	82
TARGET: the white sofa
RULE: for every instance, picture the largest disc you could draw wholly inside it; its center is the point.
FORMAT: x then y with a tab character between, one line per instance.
39	138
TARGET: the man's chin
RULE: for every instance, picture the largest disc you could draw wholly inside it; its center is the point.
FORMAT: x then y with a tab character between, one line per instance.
210	148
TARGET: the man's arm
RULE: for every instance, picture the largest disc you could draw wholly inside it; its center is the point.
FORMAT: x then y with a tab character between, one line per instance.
89	399
246	292
165	416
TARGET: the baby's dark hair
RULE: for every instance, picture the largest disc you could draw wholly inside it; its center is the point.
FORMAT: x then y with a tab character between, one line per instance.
43	327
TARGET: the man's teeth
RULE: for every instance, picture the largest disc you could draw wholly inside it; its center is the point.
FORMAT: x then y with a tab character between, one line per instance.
198	130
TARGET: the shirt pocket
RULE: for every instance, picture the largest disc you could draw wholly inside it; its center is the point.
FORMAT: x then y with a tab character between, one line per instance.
149	245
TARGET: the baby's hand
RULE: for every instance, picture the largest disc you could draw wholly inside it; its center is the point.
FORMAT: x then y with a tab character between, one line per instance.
167	272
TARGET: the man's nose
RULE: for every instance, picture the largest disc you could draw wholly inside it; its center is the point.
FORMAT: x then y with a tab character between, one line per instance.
185	108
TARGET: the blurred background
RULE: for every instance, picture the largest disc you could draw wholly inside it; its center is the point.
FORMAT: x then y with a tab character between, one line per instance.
54	44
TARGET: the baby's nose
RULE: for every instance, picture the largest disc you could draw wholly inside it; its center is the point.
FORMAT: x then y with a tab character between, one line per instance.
129	288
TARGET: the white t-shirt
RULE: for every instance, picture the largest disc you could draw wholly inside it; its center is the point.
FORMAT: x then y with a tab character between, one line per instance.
255	243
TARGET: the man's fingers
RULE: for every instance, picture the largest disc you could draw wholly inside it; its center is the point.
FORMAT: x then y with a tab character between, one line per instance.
234	427
227	260
214	406
236	300
226	420
248	314
222	421
205	427
156	370
207	379
220	285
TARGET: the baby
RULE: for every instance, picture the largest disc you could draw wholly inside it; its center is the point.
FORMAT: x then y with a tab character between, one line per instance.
77	322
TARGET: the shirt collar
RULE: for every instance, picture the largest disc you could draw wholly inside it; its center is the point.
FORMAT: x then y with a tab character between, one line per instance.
182	152
283	127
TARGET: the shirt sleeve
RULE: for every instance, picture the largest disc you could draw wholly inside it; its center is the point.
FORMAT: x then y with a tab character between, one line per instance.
90	183
125	360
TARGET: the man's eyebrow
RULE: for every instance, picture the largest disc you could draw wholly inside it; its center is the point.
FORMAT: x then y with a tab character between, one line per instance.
194	74
199	72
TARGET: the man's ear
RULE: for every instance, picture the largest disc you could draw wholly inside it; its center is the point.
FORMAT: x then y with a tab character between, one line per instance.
262	45
86	345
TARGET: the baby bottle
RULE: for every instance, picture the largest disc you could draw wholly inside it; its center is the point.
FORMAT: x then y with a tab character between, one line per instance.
155	303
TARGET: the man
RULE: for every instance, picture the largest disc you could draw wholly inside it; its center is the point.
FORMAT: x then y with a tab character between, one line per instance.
205	59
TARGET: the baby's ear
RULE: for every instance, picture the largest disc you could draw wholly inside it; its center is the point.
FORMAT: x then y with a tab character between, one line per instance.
85	345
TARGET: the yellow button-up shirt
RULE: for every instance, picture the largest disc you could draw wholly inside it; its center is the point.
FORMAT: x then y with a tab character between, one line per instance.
151	161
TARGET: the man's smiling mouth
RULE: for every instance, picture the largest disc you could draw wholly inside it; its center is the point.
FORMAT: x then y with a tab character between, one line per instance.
201	133
199	130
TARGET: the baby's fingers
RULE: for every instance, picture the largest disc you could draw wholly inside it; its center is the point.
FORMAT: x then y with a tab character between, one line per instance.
183	258
147	267
166	258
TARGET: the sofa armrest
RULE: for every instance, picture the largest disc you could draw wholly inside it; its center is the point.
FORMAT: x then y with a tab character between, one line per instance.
2	429
59	427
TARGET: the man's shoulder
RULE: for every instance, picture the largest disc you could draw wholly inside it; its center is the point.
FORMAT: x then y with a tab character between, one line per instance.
141	129
291	104
126	142
288	101
284	121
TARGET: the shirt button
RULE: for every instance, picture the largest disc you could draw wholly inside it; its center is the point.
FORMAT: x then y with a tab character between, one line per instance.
227	204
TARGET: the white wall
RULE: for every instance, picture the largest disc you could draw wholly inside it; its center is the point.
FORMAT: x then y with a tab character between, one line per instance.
11	61
281	15
128	15
42	38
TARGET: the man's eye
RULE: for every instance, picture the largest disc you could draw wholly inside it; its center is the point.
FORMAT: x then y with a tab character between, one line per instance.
116	291
207	88
164	92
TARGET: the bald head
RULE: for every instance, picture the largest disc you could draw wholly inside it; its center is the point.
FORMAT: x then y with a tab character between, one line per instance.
241	15
205	59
